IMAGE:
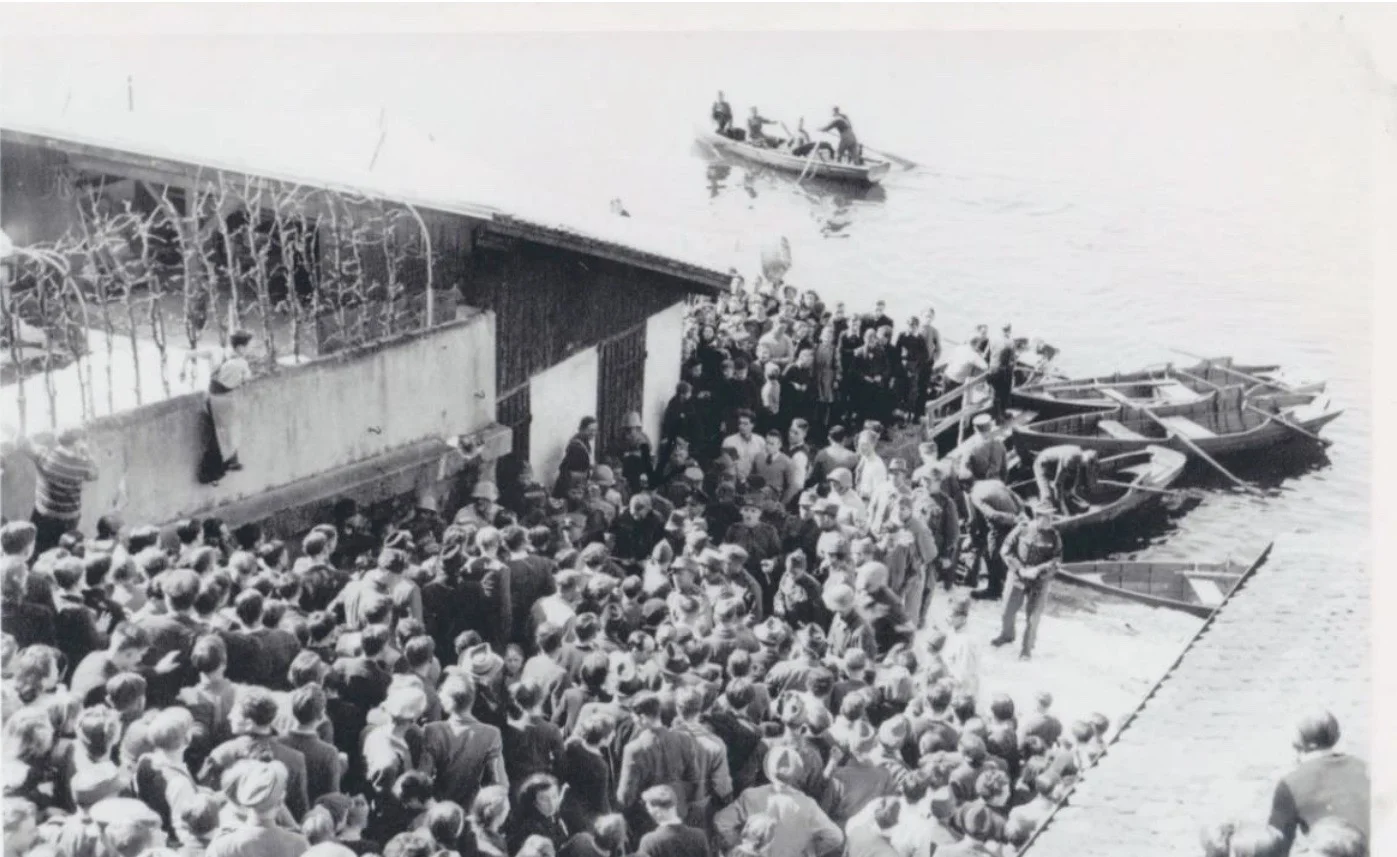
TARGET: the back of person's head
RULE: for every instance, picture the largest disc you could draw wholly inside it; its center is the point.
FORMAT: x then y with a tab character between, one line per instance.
410	843
373	639
248	607
314	544
1002	707
17	538
688	702
129	637
209	654
490	805
646	705
126	690
549	637
963	706
457	694
595	728
1017	830
1334	837
739	693
257	707
419	651
308	705
972	749
609	832
197	814
1317	730
527	695
97	730
188	531
886	812
170	729
595	669
445	820
1257	840
318	825
659	798
69	572
272	613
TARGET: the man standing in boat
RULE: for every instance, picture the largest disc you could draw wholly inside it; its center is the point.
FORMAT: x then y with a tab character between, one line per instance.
848	143
1003	357
722	114
755	123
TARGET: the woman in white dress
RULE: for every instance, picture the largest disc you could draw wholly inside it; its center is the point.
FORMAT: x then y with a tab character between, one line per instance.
221	433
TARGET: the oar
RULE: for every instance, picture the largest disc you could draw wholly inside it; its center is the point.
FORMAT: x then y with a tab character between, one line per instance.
1150	489
889	156
1211	361
1197	450
1280	420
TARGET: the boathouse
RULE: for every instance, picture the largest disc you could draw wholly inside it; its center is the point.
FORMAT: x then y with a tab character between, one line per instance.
402	294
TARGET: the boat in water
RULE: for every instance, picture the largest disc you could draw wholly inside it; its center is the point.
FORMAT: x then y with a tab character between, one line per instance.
1164	389
1226	424
1198	588
870	172
1148	473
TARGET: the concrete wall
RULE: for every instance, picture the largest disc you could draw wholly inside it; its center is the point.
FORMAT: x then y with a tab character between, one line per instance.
300	423
664	333
559	397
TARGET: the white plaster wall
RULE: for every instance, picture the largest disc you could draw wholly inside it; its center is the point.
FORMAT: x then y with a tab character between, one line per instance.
664	354
559	397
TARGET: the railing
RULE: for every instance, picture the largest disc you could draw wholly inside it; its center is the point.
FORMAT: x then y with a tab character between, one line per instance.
105	317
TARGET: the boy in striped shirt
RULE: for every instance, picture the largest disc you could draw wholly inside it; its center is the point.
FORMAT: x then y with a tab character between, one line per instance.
61	470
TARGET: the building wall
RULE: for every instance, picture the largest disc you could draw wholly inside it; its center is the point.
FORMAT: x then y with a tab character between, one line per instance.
664	334
301	423
559	397
552	303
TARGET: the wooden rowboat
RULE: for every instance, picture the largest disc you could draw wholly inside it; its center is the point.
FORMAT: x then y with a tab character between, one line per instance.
1198	588
1227	424
1147	471
1163	389
870	172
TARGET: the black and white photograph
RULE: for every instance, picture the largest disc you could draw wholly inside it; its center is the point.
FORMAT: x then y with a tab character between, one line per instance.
695	430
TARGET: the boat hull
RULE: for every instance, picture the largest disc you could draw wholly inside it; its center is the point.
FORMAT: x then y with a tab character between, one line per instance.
871	172
1190	587
1234	429
1148	472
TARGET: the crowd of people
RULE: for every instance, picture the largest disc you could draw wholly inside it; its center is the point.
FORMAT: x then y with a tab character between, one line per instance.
722	644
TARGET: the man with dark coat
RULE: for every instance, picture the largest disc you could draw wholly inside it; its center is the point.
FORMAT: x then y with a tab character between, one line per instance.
461	754
655	756
579	458
636	531
1326	783
252	720
530	578
636	455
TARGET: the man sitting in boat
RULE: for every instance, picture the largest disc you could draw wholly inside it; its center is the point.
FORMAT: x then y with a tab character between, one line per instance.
722	114
848	143
755	136
801	144
1064	473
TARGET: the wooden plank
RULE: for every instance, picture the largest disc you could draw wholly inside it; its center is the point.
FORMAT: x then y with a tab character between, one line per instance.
1188	428
1119	431
1207	591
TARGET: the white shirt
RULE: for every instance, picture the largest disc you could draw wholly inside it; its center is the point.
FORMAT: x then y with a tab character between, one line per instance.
963	363
870	475
747	452
962	661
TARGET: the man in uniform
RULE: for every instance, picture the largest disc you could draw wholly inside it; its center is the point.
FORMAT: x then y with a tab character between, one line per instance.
984	455
994	512
1032	551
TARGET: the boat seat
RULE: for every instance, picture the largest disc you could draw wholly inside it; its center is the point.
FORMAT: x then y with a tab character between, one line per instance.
1187	427
1176	393
1119	431
1207	591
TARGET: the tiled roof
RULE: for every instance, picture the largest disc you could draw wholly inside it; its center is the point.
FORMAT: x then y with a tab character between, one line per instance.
1215	736
356	149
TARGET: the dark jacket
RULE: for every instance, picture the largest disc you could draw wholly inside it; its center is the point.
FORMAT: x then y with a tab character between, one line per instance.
460	760
323	767
1331	785
591	788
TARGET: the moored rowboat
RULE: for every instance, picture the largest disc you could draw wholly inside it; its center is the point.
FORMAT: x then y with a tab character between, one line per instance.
870	172
1148	471
1164	389
1192	587
1224	425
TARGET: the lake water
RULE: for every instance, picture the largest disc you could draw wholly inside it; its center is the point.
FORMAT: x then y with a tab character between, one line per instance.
1115	194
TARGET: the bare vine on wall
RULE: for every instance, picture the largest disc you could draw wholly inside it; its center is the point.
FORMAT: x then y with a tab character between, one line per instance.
307	270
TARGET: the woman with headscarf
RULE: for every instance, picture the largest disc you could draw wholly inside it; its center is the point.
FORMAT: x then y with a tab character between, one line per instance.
258	789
